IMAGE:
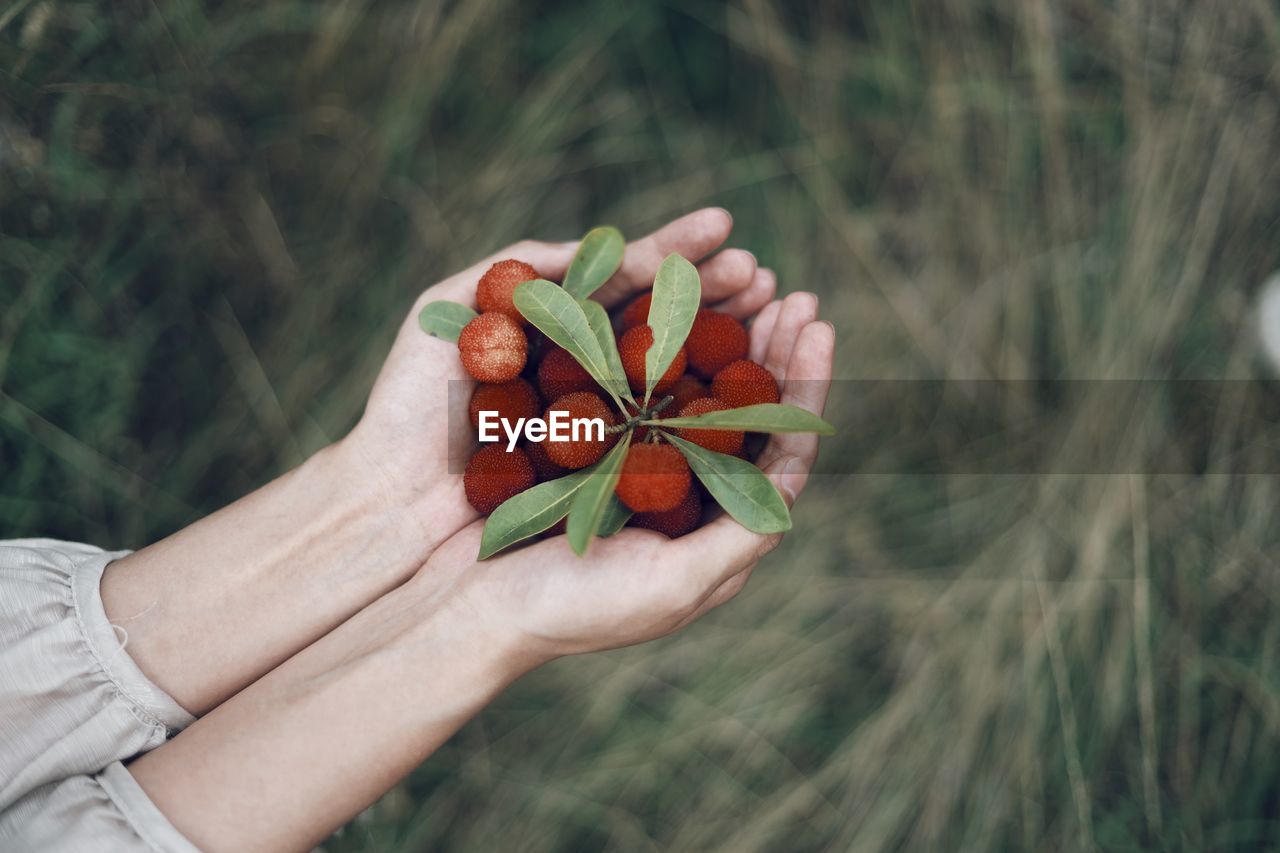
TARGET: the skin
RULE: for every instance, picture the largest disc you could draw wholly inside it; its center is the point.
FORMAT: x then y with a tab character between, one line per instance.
333	628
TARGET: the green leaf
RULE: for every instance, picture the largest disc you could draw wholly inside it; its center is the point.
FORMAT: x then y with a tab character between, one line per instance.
598	257
738	486
603	329
445	319
762	417
529	513
560	317
616	516
586	514
677	291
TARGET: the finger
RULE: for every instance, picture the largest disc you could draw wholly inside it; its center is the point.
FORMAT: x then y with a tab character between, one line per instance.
551	260
726	274
807	385
762	330
693	236
798	309
787	461
745	303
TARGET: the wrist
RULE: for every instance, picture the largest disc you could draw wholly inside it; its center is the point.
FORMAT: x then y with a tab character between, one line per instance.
454	621
396	513
463	603
413	490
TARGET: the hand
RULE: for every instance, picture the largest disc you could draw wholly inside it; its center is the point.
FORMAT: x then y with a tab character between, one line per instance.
637	585
285	565
404	437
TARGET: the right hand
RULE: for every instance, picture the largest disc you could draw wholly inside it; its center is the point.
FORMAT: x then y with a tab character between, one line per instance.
637	585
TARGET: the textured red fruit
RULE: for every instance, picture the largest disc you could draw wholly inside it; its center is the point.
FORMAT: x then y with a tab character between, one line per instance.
744	383
583	452
685	390
559	373
715	341
493	347
655	478
543	467
511	400
498	284
673	522
637	313
720	440
493	475
632	348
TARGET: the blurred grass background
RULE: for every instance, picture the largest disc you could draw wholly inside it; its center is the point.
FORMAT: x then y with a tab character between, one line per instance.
214	214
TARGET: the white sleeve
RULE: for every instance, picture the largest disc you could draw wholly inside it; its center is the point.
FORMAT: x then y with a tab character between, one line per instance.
73	705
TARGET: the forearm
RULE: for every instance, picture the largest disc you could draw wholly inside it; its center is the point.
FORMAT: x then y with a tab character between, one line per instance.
294	756
214	606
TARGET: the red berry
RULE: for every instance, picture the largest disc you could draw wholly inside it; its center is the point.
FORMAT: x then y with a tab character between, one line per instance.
654	478
715	340
637	313
494	475
496	287
685	390
720	440
511	400
586	449
745	383
632	348
543	467
673	522
493	347
559	373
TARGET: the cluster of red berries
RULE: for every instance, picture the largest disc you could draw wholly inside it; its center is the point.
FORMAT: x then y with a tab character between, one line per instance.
710	373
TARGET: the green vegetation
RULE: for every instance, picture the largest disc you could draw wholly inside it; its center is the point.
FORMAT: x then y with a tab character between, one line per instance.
213	216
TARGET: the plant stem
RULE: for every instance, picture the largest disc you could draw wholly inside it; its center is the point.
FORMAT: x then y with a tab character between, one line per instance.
641	415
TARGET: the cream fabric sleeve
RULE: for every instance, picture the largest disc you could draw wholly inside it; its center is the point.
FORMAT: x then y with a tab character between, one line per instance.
73	706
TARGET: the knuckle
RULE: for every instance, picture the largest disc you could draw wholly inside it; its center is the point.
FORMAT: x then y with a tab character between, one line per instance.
769	281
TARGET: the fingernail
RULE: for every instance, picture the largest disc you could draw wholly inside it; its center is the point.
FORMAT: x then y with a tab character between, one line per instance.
830	326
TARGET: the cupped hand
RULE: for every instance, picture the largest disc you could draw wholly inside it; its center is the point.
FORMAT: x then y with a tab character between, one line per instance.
638	585
415	436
